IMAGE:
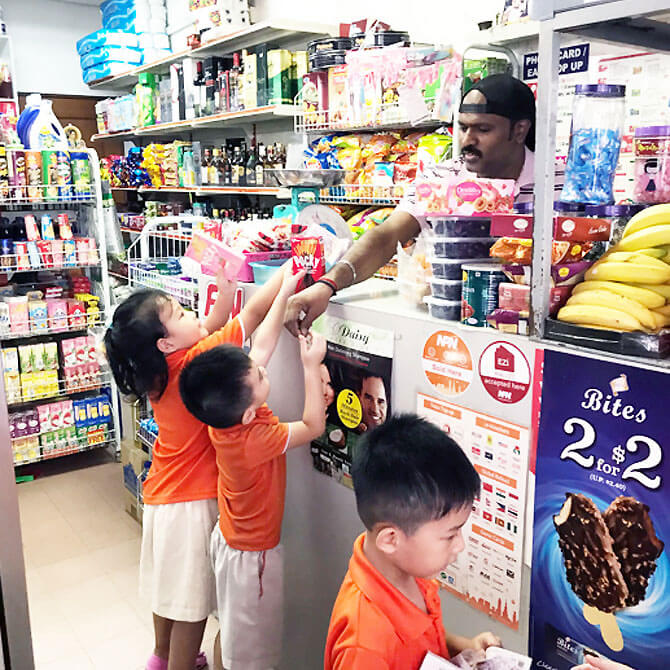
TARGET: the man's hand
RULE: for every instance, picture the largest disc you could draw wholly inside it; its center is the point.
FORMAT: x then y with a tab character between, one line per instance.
312	349
485	640
593	663
305	307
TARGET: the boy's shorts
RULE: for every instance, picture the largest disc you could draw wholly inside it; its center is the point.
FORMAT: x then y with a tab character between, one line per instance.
175	567
250	599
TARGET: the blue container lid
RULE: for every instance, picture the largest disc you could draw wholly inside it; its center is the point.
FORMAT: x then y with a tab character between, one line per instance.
652	131
613	211
524	207
569	207
601	90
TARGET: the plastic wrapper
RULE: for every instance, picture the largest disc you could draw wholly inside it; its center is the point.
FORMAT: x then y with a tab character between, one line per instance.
520	250
413	272
458	196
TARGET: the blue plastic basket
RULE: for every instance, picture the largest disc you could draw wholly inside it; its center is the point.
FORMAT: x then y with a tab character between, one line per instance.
264	271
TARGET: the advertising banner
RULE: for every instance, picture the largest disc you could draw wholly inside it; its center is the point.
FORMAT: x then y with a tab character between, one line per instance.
487	573
601	576
356	378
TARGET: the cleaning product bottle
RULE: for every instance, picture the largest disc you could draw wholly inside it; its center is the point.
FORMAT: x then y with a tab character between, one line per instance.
30	111
45	131
145	97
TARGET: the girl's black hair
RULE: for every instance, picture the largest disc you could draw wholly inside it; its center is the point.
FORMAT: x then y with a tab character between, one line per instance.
137	364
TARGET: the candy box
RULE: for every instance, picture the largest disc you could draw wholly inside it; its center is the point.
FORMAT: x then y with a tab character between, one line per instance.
58	253
509	321
27	386
50	356
514	297
308	255
92	349
37	354
80	413
68	412
92	411
71	436
37	310
51	381
44	416
13	387
57	314
578	229
55	416
76	313
26	357
211	254
18	314
69	254
464	196
104	409
4	319
512	225
81	350
68	352
10	359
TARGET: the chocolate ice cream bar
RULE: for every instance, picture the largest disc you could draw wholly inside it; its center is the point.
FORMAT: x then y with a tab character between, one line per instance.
591	567
635	544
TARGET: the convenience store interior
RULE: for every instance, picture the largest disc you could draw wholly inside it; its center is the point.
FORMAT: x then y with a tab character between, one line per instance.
543	350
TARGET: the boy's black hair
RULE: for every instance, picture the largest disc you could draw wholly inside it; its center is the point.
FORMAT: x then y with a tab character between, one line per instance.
138	366
408	472
214	386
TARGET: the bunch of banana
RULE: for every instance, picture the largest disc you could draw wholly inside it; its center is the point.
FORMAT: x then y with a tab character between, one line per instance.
628	289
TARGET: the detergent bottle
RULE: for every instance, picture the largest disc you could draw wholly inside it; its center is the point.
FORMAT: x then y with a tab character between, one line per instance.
27	116
42	130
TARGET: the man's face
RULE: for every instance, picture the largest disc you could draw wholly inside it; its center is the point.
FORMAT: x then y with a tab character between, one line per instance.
373	401
487	140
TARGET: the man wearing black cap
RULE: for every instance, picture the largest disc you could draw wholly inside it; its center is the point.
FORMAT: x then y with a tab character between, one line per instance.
496	129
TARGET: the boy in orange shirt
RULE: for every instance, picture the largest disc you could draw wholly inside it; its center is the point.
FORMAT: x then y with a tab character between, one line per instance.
414	491
227	389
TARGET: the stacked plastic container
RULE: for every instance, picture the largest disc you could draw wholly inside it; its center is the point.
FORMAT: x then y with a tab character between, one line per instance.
455	241
133	32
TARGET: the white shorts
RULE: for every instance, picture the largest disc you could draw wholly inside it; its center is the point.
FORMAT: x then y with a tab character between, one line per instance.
250	599
175	566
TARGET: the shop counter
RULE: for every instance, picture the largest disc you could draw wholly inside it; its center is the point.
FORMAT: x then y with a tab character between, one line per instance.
492	381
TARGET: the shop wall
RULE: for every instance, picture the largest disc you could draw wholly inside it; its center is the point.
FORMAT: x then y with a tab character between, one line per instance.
44	33
430	21
321	523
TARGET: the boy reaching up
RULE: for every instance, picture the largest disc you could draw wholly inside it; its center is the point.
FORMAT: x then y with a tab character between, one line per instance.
227	389
414	491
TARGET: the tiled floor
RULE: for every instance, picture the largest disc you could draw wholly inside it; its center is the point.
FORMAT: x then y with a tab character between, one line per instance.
82	554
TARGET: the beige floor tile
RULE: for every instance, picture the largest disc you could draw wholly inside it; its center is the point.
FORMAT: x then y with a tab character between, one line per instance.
71	661
52	634
51	544
60	576
78	600
128	651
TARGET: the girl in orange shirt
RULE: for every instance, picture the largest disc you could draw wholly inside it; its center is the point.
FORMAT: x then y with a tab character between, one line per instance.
150	341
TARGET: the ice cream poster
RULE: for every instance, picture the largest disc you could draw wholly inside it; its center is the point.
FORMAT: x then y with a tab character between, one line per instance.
356	383
601	574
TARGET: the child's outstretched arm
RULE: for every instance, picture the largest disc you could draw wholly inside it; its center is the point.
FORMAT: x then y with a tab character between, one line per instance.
258	306
220	312
268	332
312	351
457	643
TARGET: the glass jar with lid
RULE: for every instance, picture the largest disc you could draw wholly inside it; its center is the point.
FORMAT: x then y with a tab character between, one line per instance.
595	141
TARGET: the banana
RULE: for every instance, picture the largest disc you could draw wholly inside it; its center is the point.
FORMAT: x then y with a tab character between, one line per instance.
656	252
615	257
655	236
628	273
599	316
650	299
618	302
651	216
661	320
661	289
665	310
644	259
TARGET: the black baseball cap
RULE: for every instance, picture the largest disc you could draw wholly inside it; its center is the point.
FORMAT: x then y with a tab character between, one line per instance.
505	96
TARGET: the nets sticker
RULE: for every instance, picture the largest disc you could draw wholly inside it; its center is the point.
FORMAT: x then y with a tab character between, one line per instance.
447	363
505	372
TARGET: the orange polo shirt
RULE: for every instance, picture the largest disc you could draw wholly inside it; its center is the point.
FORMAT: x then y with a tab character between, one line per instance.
183	466
252	480
375	627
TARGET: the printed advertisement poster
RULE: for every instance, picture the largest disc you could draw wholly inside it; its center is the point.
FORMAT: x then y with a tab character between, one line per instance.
601	575
487	573
356	378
